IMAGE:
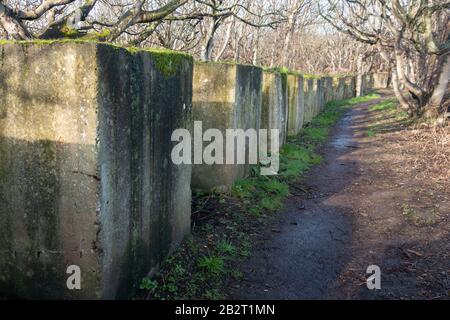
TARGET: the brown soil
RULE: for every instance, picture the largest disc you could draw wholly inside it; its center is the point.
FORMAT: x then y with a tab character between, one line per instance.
382	200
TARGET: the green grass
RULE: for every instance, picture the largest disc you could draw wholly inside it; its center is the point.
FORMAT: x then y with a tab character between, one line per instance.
386	115
386	105
226	247
213	265
148	284
316	135
296	159
166	61
353	101
213	294
260	193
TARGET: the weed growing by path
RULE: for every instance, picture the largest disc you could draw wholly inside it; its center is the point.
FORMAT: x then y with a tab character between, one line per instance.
213	265
225	225
226	247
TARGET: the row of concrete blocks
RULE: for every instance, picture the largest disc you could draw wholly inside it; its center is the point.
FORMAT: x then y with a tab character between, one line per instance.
230	96
86	177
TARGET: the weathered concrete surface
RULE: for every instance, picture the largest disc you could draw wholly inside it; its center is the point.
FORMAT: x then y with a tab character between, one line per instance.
367	83
86	177
349	87
347	90
285	106
338	88
328	88
310	99
225	96
381	80
274	105
296	103
320	96
315	99
353	87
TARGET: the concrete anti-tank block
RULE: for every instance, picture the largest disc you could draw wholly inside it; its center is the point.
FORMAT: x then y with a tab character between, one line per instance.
274	111
296	103
225	96
381	80
86	177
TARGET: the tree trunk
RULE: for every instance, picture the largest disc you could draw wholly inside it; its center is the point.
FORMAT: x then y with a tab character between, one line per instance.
287	40
359	76
226	40
404	104
434	108
13	27
256	48
206	54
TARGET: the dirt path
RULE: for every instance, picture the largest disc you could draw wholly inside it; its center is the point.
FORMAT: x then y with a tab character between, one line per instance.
351	214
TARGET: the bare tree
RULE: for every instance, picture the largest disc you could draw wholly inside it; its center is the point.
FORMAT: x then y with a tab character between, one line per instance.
298	14
219	12
412	36
274	33
69	18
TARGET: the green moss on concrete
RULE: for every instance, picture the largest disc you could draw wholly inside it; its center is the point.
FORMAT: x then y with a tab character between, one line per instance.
281	70
284	70
45	41
311	76
228	63
166	61
98	35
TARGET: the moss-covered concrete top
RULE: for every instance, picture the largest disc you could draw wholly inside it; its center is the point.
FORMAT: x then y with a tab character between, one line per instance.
276	70
284	70
292	72
130	49
229	63
166	61
342	75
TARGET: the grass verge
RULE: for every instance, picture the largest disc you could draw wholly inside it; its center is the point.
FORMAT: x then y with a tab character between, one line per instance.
224	225
387	115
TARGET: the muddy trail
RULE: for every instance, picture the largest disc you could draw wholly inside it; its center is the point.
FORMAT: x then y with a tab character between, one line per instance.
345	215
